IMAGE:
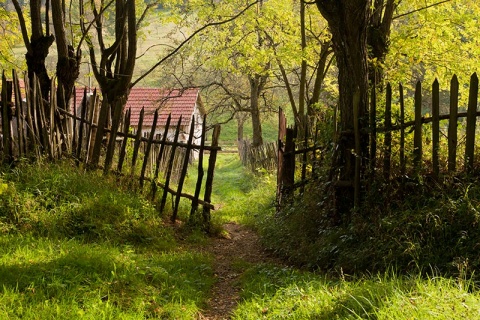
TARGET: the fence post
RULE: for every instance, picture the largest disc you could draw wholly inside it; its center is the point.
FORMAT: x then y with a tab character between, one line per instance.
403	167
211	169
288	165
200	170
183	173
170	165
149	146
435	128
388	134
417	136
6	119
471	123
282	131
452	125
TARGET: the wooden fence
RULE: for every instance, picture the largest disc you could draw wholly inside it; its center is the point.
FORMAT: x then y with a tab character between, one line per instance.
255	158
441	143
33	128
298	158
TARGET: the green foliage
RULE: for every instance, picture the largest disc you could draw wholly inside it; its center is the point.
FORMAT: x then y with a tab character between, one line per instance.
434	43
11	36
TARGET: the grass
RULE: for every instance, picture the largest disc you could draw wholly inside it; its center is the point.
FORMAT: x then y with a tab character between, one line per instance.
282	293
76	245
241	195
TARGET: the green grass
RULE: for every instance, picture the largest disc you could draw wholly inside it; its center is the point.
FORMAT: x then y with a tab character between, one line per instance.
78	245
241	195
271	292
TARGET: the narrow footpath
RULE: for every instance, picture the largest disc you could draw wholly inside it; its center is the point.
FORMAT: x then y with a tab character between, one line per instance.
239	244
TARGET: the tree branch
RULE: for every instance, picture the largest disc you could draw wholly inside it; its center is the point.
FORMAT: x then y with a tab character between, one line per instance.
420	9
189	38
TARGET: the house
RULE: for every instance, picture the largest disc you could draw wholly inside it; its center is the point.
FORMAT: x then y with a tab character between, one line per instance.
185	103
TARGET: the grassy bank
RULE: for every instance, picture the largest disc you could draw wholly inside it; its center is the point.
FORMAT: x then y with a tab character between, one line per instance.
78	245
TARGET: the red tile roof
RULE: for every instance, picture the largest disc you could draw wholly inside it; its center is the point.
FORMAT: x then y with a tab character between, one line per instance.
177	102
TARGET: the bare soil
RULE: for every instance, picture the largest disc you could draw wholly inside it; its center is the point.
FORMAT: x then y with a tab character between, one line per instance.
240	244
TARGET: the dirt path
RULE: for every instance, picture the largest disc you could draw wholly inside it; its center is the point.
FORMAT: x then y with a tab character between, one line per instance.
240	244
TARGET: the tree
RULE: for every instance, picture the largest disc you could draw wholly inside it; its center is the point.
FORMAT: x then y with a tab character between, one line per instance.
348	23
39	43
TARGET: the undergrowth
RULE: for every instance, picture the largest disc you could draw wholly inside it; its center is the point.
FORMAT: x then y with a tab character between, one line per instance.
430	225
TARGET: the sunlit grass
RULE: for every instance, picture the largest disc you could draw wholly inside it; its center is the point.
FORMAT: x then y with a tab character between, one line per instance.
271	292
78	245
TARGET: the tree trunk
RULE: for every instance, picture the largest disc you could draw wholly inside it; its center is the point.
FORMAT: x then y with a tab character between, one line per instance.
68	64
348	22
257	83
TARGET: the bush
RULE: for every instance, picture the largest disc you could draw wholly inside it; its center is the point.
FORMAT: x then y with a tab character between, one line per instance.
432	225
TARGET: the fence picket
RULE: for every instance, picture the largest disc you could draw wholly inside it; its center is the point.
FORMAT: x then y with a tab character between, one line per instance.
435	127
200	171
387	143
471	123
148	148
170	167
210	172
417	137
184	169
453	125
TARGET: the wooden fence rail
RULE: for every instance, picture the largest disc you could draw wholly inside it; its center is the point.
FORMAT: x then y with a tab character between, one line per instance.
33	128
439	145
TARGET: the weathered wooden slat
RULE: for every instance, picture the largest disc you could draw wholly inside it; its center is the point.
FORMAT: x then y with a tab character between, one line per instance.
19	114
138	141
288	170
471	123
6	120
117	117
100	132
74	121
453	125
403	163
123	148
93	114
183	173
210	172
82	126
31	124
417	136
170	165
435	128
387	142
148	148
282	132
160	156
200	170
